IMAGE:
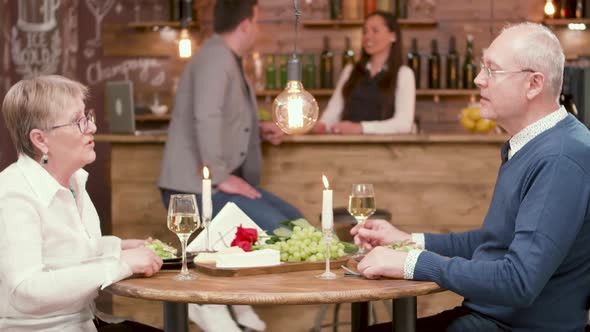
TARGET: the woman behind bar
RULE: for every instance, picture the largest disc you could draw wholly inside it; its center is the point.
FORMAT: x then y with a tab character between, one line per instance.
378	94
54	259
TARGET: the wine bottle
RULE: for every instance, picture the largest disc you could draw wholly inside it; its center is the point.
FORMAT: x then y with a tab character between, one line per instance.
336	9
327	66
453	65
579	9
414	61
384	5
352	10
283	71
434	66
370	6
348	55
469	69
401	9
175	9
565	9
309	70
271	72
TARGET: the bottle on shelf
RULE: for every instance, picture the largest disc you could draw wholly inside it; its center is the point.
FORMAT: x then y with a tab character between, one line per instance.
565	9
352	10
579	12
309	70
336	9
469	69
414	61
452	65
271	73
434	66
348	55
175	10
327	66
385	5
586	9
401	8
370	6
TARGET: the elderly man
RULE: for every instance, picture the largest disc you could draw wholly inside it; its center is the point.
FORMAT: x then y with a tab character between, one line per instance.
528	267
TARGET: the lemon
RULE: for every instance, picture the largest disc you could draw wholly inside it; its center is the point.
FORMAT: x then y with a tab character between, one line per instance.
467	123
484	125
474	113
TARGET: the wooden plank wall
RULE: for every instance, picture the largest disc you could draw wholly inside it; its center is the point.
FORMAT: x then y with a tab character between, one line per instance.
481	18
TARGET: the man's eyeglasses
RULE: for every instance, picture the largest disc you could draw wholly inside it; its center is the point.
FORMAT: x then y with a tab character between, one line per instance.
491	72
82	123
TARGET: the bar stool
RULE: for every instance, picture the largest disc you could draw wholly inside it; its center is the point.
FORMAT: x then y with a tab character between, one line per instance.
343	223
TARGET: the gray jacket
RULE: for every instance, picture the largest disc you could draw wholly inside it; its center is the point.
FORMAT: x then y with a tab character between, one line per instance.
214	123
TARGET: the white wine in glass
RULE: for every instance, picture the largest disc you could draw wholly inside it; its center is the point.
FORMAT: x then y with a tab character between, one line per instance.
361	204
183	219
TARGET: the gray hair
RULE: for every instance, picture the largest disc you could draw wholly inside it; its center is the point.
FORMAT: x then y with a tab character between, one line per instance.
542	52
34	104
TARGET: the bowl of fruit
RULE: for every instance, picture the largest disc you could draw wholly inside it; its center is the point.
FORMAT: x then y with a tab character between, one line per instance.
470	118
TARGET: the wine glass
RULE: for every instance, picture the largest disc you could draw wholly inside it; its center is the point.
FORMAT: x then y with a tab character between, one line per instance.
361	203
183	219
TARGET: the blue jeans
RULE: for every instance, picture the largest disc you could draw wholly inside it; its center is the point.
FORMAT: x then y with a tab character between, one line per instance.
267	211
459	319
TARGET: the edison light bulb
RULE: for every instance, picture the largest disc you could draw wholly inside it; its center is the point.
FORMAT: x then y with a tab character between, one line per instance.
185	48
549	8
294	110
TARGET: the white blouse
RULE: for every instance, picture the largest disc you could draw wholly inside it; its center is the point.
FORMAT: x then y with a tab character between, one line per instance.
402	120
53	258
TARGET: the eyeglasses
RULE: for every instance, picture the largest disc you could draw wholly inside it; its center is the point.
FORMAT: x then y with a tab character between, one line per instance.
491	72
82	123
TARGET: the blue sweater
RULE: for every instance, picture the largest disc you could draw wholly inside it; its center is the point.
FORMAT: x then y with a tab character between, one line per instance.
528	266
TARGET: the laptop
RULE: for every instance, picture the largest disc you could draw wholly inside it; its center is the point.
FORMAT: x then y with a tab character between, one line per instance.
119	101
120	106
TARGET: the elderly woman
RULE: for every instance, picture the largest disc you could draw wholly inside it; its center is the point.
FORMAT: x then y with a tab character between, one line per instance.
54	259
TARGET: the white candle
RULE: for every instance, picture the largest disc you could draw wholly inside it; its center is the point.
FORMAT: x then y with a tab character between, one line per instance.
327	213
206	197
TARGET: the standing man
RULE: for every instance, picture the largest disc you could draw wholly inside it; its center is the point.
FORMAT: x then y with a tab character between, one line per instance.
528	267
215	123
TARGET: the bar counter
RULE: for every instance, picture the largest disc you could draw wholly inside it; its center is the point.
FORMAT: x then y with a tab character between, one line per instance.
428	182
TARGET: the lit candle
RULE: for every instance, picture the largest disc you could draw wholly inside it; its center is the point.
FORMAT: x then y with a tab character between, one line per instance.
327	213
206	198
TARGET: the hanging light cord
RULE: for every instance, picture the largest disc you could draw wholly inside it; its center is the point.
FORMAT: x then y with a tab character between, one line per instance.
297	14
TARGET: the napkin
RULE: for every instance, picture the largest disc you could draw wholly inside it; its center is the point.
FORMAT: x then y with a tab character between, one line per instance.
223	229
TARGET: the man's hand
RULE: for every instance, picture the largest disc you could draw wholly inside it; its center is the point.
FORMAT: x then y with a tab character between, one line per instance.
142	260
347	128
383	262
134	243
236	185
271	132
377	232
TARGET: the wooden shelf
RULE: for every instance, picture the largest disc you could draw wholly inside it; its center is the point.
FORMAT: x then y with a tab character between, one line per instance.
565	21
152	117
314	92
447	92
416	22
160	24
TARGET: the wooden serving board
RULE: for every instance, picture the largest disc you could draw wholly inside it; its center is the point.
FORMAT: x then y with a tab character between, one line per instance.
211	270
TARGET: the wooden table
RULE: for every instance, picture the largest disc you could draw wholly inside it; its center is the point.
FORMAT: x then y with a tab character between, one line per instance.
281	288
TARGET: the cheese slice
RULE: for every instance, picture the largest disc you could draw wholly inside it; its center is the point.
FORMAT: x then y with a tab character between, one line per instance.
211	257
257	258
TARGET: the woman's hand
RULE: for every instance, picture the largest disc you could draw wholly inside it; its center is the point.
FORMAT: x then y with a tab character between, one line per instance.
271	132
377	232
347	128
134	243
319	128
142	260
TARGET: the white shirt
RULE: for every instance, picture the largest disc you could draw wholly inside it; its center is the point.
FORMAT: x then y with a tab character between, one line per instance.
53	258
402	120
517	142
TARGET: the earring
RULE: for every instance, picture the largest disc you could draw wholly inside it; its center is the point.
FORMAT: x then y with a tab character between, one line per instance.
44	159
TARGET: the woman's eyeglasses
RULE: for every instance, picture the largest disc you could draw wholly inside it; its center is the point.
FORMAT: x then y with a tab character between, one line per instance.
83	123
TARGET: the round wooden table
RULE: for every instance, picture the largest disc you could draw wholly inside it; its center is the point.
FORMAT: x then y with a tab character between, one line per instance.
281	288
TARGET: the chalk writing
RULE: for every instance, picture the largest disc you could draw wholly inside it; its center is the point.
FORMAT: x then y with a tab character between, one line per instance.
150	70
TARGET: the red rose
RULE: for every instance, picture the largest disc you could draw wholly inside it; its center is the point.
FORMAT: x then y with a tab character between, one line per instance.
245	237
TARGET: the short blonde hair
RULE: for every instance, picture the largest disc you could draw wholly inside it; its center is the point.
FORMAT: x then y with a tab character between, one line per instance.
34	104
541	51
